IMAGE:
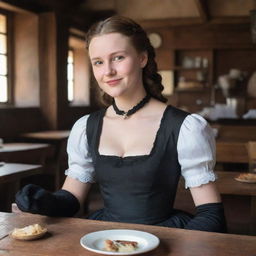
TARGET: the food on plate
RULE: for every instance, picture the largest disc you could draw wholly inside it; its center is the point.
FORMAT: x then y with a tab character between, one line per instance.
29	232
250	177
120	245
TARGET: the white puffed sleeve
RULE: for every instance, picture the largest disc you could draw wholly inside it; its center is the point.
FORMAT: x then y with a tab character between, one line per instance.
196	151
79	160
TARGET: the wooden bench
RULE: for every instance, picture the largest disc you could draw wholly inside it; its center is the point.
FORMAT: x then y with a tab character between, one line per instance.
231	152
231	143
235	133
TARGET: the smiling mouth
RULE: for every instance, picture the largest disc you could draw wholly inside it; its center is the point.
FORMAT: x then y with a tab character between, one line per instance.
114	82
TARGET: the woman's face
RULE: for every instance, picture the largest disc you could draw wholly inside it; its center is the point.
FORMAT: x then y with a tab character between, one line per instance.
117	66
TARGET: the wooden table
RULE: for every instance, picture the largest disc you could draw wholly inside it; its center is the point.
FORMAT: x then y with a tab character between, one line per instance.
10	175
53	135
227	185
65	233
20	146
29	153
10	172
58	138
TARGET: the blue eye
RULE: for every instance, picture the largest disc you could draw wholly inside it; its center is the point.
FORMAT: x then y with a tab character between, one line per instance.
117	58
97	62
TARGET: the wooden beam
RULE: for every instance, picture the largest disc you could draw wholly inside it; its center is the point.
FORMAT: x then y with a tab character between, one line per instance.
31	6
202	8
230	20
39	6
163	23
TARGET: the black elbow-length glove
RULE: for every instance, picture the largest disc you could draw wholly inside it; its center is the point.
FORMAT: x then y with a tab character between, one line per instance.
34	199
209	217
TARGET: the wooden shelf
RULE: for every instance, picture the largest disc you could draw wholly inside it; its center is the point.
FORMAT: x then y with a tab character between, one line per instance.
190	90
189	69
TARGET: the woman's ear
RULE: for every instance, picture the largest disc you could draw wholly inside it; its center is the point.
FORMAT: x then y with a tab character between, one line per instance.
143	59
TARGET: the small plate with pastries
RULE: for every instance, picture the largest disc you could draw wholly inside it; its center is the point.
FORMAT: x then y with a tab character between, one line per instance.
119	242
246	177
30	232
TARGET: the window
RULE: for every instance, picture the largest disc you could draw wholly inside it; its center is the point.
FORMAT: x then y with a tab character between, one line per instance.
3	59
70	75
78	70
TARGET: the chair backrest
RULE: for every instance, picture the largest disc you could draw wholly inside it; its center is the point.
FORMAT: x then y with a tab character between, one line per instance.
236	132
251	147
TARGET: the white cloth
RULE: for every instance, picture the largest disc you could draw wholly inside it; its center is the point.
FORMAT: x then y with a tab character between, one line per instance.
219	111
196	152
251	114
79	161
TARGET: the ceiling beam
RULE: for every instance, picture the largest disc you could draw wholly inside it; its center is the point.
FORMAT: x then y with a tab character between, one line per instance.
203	10
39	6
230	20
170	22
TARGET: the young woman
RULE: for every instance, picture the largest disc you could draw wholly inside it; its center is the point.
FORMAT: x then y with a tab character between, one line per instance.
137	147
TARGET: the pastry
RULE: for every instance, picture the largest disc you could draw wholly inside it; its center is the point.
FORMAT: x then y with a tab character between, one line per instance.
246	177
29	232
120	245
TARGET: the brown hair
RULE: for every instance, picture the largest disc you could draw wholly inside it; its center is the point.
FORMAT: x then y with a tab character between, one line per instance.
118	24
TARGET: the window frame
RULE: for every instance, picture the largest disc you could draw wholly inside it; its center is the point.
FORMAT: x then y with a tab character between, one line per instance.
76	43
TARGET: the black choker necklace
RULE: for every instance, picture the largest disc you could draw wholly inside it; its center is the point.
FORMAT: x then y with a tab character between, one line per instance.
134	109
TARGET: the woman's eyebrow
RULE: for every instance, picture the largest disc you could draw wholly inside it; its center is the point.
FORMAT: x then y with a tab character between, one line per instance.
95	58
113	53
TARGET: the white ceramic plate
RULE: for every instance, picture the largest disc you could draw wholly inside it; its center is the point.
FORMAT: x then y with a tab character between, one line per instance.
95	241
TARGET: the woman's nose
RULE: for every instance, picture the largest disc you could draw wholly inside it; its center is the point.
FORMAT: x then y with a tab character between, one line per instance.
109	70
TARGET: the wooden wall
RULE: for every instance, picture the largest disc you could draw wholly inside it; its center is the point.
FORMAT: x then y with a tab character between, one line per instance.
230	45
51	110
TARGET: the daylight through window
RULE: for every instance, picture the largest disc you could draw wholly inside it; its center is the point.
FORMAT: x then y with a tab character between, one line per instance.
70	75
3	60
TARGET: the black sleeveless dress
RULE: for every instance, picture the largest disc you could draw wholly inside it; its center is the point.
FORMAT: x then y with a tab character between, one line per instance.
140	189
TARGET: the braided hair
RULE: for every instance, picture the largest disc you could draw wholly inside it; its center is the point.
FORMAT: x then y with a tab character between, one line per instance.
152	81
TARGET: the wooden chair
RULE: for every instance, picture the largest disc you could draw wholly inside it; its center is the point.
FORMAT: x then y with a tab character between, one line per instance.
251	147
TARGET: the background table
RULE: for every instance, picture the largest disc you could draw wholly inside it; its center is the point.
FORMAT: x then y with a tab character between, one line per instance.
32	153
57	138
10	176
227	185
47	135
10	172
29	153
65	233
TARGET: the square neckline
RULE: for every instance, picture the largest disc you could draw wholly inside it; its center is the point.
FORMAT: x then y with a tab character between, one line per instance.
129	157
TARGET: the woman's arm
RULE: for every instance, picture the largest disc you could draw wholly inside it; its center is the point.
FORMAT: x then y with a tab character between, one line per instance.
77	188
209	209
205	194
65	202
196	154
